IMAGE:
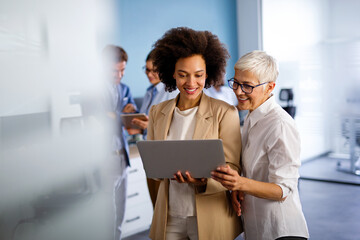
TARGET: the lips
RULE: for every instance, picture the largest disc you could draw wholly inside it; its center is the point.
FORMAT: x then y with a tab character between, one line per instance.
190	90
242	99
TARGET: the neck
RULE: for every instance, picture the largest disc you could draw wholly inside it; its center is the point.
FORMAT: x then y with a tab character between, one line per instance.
184	104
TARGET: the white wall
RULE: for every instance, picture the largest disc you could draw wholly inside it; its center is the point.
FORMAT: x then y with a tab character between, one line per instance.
294	32
343	42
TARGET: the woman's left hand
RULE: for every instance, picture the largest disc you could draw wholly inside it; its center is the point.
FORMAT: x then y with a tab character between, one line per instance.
189	179
228	177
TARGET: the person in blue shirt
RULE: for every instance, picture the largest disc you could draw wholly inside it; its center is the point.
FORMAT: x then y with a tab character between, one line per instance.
120	101
155	94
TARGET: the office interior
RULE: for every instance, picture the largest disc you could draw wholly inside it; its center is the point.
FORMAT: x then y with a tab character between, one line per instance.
53	139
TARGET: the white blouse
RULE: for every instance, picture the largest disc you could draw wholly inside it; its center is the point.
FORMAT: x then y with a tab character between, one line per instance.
182	195
271	153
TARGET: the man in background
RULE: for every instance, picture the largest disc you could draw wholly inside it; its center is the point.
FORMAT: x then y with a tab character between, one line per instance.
119	101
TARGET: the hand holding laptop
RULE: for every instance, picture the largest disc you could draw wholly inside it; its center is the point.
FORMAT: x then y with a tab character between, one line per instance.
189	179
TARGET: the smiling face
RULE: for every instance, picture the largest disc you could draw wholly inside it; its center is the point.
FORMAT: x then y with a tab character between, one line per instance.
259	94
151	74
190	75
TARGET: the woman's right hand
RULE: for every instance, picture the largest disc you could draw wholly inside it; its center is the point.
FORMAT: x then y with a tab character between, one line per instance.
228	177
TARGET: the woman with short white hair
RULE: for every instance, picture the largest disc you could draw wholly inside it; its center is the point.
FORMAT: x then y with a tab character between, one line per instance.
267	194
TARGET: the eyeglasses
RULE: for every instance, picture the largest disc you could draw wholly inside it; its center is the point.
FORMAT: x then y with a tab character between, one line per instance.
246	88
147	70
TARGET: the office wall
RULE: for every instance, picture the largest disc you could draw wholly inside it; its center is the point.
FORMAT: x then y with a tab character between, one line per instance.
293	32
249	25
318	49
142	22
343	42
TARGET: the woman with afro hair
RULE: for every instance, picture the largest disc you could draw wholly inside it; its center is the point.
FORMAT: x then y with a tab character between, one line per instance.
187	207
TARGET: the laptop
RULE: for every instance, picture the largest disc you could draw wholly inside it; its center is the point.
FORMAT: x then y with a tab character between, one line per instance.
163	158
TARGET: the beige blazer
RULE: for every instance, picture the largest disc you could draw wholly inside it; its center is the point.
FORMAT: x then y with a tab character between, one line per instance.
215	119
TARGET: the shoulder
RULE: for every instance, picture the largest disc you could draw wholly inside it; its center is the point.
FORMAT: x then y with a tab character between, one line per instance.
280	122
220	110
124	86
163	104
157	108
221	106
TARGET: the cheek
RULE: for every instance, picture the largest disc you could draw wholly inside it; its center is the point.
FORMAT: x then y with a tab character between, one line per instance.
178	83
202	82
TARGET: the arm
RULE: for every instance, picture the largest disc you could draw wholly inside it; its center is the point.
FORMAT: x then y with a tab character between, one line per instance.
142	124
230	179
283	153
150	127
229	133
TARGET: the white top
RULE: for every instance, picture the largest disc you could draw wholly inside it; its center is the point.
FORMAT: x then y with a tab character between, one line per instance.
182	195
271	153
225	94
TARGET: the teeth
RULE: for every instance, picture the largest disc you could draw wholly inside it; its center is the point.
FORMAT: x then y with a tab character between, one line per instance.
242	99
190	90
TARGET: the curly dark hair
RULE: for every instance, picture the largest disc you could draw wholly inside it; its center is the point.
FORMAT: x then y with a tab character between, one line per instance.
184	42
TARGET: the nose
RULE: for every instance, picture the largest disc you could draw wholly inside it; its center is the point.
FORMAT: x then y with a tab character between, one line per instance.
191	79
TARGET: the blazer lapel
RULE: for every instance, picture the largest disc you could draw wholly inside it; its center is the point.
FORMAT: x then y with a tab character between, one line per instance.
204	119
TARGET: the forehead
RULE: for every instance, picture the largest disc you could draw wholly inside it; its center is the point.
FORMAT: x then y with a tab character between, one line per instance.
192	62
149	64
245	76
120	65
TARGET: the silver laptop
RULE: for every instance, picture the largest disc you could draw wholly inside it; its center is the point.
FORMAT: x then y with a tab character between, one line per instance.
162	159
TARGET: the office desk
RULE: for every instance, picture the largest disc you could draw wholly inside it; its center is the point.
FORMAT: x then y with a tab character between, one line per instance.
139	209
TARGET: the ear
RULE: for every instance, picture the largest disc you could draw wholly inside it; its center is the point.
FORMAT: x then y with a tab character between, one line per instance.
271	86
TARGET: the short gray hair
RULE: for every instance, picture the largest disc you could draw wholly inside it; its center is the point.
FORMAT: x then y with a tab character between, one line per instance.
259	63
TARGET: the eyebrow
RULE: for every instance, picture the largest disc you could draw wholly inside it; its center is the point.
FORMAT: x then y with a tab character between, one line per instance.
187	72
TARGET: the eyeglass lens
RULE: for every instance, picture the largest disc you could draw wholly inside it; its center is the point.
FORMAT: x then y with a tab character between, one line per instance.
244	87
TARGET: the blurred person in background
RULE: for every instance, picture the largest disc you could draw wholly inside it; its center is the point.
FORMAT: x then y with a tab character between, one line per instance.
120	101
155	94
